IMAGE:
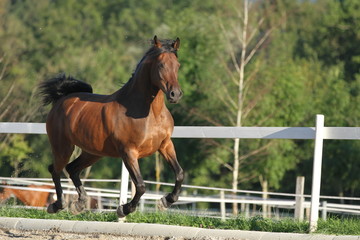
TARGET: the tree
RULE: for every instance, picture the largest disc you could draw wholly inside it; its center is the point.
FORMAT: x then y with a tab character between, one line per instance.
255	83
15	155
336	85
245	39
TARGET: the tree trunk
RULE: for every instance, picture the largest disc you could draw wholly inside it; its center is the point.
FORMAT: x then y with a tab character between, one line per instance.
236	174
265	196
240	105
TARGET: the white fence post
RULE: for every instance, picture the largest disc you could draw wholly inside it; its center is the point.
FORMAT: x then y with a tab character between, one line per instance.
316	177
142	205
299	199
324	210
124	187
222	205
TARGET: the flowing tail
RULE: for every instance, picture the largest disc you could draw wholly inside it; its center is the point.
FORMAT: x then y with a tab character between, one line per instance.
55	88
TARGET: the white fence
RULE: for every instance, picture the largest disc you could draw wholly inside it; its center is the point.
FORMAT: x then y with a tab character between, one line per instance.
318	133
108	199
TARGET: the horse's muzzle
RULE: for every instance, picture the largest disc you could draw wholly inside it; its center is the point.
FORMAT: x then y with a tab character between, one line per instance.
174	95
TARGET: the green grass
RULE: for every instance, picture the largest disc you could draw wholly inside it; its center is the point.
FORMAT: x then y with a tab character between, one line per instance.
240	223
63	215
338	226
331	226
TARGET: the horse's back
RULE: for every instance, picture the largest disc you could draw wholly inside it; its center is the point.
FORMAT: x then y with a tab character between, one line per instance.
78	119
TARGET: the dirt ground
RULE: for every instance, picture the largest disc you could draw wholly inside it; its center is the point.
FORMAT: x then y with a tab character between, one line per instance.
6	234
53	235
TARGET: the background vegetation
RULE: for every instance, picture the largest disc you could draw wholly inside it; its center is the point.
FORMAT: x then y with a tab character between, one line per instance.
256	63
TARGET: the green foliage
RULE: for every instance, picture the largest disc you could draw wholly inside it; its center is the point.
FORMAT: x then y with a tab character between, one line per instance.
338	226
15	156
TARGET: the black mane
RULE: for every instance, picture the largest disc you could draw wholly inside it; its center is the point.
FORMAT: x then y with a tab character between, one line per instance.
167	45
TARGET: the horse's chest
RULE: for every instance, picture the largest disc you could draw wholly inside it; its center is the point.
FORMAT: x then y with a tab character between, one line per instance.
150	140
144	135
152	135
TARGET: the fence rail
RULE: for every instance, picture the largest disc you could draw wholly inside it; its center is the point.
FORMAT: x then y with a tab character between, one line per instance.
317	133
334	133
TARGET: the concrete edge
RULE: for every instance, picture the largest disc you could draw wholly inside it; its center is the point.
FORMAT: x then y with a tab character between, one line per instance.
147	230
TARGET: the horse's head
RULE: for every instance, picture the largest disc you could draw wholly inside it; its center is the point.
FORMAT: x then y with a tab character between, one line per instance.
164	72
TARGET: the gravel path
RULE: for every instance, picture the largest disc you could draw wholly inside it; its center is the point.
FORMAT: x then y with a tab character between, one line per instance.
55	235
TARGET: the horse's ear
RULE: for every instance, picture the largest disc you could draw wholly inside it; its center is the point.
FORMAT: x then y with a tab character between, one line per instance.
176	44
157	42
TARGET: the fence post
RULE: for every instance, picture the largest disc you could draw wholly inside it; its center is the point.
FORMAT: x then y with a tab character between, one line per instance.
99	205
307	213
265	198
124	187
324	210
193	205
142	205
247	207
247	210
316	177
277	213
299	199
222	205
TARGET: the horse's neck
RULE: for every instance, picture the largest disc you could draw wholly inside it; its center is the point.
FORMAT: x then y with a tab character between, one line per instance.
139	97
158	104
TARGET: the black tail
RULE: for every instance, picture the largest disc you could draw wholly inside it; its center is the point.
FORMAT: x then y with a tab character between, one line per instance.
60	86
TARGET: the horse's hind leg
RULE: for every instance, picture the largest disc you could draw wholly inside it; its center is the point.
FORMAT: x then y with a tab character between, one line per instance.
168	152
74	168
60	161
59	204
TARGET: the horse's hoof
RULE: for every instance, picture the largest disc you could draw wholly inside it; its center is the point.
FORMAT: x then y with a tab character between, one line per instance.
53	208
76	207
120	211
163	204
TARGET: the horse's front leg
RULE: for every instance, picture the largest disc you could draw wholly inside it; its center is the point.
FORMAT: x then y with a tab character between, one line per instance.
168	152
132	165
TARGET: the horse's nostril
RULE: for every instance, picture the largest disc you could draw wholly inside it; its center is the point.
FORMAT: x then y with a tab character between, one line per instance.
172	94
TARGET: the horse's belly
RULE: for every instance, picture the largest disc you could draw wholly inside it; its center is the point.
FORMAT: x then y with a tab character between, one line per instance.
93	139
99	148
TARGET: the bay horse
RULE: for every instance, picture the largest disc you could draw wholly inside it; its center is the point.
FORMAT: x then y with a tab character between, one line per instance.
131	123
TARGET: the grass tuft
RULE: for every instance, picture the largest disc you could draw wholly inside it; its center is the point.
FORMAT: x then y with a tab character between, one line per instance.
348	226
6	211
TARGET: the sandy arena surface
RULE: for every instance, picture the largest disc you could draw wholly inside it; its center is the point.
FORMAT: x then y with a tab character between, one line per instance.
6	234
54	235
